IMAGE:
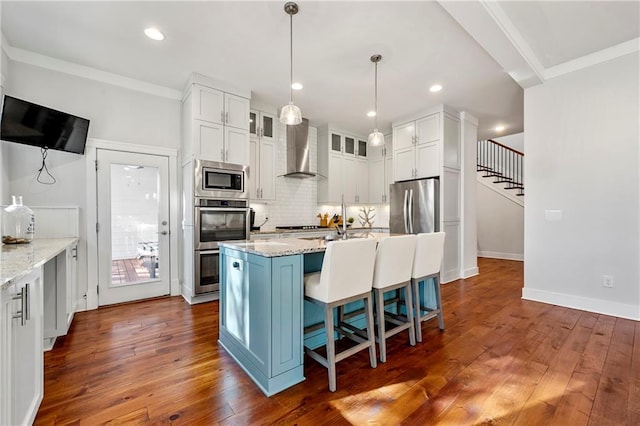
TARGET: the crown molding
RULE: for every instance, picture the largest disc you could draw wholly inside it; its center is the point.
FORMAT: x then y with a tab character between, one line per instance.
53	64
594	58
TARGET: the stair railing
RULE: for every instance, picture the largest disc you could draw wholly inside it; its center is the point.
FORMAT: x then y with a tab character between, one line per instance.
503	163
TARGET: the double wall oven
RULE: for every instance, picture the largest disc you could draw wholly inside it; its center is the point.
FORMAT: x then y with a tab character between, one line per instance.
221	213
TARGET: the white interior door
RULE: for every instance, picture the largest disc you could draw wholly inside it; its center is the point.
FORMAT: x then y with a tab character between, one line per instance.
133	226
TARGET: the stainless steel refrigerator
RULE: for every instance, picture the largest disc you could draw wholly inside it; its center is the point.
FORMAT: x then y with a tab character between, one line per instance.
414	206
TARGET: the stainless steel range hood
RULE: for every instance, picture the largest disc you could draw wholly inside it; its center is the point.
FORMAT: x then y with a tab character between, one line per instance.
298	151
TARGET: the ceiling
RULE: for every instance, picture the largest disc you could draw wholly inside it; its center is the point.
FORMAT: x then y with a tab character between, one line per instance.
247	44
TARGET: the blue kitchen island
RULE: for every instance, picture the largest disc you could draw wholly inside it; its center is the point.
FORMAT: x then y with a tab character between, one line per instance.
262	314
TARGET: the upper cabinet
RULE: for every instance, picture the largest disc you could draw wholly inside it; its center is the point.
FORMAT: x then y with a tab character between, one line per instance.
343	163
416	148
262	181
380	171
215	123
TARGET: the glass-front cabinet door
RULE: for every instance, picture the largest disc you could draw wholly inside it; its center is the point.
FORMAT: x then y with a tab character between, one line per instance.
349	145
262	125
362	148
336	142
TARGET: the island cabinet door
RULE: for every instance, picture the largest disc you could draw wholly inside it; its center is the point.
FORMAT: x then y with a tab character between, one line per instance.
259	311
286	296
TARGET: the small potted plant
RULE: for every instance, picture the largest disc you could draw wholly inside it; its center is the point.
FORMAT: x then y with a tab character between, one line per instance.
350	221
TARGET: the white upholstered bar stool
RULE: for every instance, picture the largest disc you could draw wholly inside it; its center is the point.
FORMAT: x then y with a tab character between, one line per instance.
346	276
394	261
426	265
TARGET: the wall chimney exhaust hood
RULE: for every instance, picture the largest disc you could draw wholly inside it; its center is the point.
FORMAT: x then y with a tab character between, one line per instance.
298	151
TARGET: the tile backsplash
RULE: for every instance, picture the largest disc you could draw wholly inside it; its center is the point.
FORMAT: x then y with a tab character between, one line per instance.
297	198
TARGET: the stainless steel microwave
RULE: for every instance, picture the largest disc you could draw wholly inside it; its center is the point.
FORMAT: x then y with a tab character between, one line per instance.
221	180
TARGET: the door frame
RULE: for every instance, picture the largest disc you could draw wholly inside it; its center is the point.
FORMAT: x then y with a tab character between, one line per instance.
92	213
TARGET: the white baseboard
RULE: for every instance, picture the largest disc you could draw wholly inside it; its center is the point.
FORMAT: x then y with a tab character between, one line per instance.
470	272
621	310
498	255
192	299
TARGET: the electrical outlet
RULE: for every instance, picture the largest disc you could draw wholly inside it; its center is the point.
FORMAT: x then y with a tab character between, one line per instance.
607	281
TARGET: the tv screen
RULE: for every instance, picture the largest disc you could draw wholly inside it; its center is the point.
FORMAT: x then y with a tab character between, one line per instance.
31	124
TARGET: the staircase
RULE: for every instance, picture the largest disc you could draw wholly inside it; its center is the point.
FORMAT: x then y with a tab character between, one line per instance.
505	165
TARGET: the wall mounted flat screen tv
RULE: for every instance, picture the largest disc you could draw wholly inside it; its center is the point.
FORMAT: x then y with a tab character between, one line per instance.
36	125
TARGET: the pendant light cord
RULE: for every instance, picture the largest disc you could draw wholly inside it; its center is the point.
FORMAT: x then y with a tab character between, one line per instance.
376	94
291	58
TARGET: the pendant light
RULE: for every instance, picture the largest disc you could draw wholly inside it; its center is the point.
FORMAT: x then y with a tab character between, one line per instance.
290	114
376	138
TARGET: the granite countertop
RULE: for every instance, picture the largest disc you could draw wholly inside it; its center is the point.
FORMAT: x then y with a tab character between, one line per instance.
325	229
291	246
17	260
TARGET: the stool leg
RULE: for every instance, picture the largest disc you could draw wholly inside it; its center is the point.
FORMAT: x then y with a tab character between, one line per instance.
409	306
436	283
382	340
331	347
415	285
368	311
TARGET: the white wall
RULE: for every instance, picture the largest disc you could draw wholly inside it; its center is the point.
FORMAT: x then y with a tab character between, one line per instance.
500	225
515	141
582	137
116	114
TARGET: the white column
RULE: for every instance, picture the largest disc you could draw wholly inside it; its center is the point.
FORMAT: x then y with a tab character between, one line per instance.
469	139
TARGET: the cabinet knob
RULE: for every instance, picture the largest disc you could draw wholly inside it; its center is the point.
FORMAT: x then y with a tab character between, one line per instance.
236	265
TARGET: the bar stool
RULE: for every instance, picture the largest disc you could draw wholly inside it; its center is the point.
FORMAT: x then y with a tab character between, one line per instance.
394	261
426	265
346	276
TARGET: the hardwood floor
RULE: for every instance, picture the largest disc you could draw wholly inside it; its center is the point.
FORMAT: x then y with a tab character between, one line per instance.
500	360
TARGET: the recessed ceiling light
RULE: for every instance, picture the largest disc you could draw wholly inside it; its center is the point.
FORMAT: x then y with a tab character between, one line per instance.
371	114
154	34
499	128
435	88
297	86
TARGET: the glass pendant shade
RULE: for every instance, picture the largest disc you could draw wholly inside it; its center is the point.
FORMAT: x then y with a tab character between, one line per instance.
290	115
376	138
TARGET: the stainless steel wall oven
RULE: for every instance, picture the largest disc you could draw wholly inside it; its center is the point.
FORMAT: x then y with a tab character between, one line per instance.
215	221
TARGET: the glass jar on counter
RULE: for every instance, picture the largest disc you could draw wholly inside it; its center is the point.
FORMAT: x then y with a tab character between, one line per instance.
18	223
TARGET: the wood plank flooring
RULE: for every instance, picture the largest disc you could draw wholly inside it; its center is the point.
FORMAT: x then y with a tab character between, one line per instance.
500	360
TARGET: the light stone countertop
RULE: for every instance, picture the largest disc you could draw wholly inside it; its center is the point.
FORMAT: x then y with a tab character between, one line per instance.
256	234
17	260
291	246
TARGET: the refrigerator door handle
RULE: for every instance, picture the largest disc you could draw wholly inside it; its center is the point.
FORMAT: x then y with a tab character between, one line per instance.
411	211
404	212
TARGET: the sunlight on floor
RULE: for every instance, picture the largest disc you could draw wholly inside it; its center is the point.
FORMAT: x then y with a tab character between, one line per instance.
393	403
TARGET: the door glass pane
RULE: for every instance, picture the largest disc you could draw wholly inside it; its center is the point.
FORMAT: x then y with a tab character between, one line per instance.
134	223
335	143
267	126
349	145
362	148
252	123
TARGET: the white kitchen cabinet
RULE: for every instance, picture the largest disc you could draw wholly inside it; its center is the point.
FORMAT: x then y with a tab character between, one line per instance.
262	182
21	359
59	275
427	145
343	163
416	148
380	172
215	106
215	123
